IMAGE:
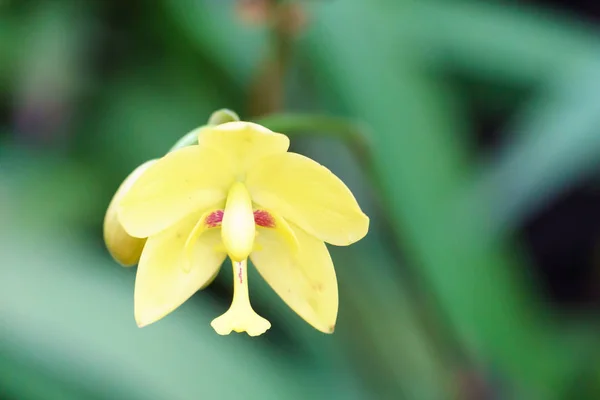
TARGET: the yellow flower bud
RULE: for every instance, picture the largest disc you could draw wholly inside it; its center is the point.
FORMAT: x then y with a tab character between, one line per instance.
222	116
125	249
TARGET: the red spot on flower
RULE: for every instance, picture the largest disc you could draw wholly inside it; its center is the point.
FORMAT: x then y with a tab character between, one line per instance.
240	272
214	218
264	219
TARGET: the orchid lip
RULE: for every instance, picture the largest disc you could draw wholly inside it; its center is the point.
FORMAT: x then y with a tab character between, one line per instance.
240	317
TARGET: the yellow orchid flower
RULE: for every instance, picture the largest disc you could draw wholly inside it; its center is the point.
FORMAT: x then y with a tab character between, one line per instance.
239	193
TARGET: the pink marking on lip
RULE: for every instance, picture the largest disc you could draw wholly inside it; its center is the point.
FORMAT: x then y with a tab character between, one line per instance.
214	218
240	272
264	218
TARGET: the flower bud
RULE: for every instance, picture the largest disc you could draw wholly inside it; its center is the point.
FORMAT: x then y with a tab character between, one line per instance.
125	249
218	117
222	116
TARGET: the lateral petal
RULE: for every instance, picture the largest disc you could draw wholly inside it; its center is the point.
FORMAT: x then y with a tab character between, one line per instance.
186	180
309	195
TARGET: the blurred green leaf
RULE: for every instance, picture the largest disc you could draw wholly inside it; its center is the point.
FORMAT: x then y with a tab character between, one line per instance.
143	114
217	29
423	170
516	44
45	190
437	288
556	144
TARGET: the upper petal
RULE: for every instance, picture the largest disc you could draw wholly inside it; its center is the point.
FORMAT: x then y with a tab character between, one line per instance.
305	280
161	283
243	143
309	195
189	179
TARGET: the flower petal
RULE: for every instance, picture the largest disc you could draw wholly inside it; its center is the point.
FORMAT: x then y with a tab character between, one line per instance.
186	180
309	195
124	248
161	283
266	219
305	281
209	220
243	142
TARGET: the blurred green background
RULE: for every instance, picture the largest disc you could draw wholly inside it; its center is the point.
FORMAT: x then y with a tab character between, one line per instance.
469	132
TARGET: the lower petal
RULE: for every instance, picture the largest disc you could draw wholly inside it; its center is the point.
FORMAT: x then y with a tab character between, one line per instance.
161	283
305	280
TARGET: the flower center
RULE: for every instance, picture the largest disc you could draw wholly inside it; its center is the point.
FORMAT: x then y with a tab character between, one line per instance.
238	228
238	223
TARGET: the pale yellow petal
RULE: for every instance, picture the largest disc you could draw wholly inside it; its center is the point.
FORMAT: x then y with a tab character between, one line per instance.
209	220
305	281
243	143
124	248
309	195
186	180
161	283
